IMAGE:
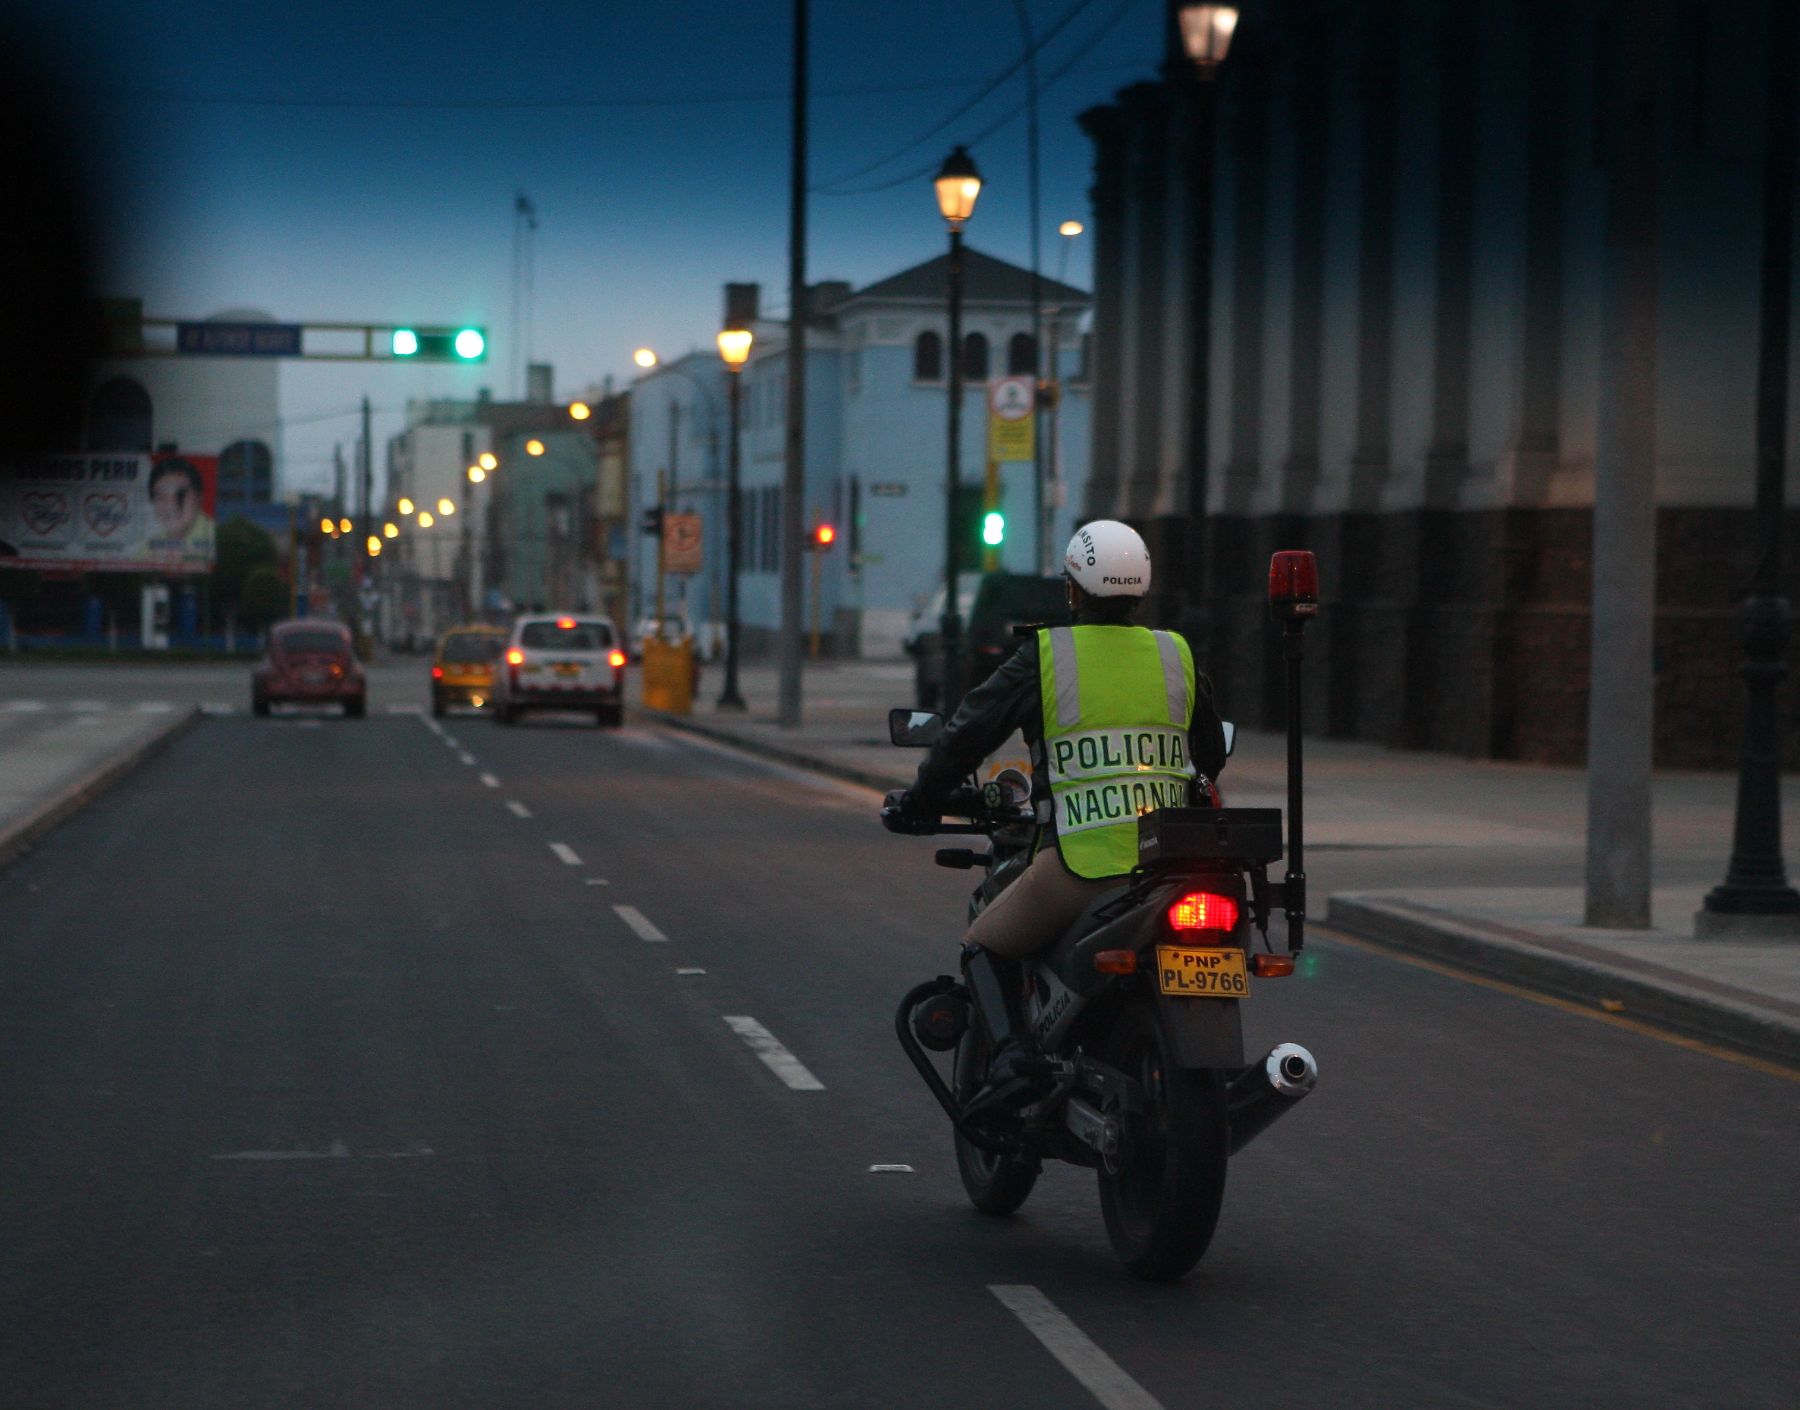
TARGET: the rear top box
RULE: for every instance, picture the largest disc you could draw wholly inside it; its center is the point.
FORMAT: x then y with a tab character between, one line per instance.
1172	835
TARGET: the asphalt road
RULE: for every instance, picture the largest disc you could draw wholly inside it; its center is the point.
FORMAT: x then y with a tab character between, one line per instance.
334	1077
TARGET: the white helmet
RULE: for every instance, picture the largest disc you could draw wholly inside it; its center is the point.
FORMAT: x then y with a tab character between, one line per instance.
1108	559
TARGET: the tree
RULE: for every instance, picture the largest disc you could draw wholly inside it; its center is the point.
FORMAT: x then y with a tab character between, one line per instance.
264	596
242	548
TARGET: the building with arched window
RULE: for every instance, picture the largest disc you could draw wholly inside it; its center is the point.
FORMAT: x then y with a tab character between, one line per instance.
876	448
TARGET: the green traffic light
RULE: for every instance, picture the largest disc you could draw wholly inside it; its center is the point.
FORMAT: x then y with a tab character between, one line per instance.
993	528
406	342
470	344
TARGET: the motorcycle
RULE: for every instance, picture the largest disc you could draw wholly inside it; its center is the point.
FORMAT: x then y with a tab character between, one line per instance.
1133	1012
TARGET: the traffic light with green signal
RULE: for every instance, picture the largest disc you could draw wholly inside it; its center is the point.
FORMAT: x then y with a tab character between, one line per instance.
993	528
466	344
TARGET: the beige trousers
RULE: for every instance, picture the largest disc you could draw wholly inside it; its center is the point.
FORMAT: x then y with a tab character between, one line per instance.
1036	908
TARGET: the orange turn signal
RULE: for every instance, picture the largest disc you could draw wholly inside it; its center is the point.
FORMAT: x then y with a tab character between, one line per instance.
1271	966
1115	961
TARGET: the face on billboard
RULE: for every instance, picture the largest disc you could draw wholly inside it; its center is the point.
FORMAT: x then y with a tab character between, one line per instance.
175	493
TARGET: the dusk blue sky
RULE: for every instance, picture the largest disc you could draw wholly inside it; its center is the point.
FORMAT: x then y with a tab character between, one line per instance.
327	160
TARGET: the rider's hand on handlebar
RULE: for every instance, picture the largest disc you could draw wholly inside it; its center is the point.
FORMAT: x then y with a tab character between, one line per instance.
899	813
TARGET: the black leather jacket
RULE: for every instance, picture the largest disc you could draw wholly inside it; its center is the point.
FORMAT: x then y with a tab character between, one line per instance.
1012	699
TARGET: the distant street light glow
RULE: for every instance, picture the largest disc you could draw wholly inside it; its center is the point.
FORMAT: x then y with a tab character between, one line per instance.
391	529
644	357
476	474
446	507
406	505
580	411
344	526
425	519
327	527
534	447
374	546
1071	228
487	460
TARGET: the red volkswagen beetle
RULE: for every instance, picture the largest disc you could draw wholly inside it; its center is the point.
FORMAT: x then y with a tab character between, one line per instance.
309	662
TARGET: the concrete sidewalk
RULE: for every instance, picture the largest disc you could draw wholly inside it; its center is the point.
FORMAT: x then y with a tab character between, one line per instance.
1473	863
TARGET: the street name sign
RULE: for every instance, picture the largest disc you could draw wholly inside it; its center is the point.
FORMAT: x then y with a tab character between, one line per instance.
238	339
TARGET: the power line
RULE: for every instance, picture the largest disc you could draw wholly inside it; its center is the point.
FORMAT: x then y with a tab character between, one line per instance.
1106	26
981	95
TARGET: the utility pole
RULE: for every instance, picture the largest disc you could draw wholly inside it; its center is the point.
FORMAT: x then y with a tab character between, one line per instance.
1037	286
1621	696
794	476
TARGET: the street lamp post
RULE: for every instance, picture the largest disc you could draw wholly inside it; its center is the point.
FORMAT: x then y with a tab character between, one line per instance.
1206	33
1047	546
958	184
1755	898
734	347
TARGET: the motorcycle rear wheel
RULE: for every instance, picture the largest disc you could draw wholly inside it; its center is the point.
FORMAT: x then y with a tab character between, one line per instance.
996	1184
1162	1200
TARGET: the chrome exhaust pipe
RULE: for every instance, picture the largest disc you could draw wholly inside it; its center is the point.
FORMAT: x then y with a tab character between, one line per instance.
1260	1095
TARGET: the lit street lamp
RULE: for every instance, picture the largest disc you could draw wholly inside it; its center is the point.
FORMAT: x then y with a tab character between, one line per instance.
958	185
1206	33
734	347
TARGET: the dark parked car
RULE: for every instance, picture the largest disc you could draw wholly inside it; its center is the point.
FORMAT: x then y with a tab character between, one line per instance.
309	662
1003	602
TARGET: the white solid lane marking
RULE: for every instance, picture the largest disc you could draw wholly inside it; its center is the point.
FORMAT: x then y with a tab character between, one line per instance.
217	707
519	810
690	969
22	707
775	1057
598	881
639	922
566	852
890	1170
154	707
465	758
1104	1378
489	781
88	707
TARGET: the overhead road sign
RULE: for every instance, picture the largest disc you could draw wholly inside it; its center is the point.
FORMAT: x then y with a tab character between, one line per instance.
238	339
120	334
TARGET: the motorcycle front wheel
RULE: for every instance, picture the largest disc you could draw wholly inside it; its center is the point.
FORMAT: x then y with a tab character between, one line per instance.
996	1183
1161	1193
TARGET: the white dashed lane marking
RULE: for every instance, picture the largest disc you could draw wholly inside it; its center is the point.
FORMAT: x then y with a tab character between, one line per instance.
567	853
465	758
1104	1378
639	922
22	707
489	781
154	707
519	810
775	1057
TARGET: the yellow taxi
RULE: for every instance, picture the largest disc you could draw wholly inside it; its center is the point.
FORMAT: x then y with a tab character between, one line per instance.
462	670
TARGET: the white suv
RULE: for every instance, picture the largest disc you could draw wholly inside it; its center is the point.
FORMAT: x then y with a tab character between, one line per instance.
561	661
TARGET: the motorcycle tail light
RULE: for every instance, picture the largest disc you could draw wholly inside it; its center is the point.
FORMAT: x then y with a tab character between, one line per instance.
1271	966
615	659
1115	962
1203	910
437	673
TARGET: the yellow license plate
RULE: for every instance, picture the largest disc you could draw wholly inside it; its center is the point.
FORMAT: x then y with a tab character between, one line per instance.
1196	973
568	668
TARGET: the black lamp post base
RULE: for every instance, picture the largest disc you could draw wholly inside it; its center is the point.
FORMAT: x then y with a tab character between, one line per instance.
1738	912
733	704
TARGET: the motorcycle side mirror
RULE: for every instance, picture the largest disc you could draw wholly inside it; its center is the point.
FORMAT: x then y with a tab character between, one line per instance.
1230	736
914	729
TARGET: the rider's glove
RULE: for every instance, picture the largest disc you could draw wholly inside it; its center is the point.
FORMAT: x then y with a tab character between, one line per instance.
900	812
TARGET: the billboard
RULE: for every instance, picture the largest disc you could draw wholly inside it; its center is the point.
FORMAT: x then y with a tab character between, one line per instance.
110	512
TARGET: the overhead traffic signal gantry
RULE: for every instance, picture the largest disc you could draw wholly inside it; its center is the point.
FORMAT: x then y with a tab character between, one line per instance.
465	344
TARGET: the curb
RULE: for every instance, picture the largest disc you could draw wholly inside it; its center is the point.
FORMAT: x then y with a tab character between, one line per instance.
1491	950
795	758
19	838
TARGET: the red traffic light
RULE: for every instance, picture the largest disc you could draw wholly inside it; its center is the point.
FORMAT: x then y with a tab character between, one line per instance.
823	536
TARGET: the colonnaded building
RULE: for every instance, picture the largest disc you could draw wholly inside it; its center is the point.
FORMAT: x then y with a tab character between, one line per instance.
1408	238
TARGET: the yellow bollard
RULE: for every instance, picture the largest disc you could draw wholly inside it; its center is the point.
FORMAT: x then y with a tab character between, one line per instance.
669	675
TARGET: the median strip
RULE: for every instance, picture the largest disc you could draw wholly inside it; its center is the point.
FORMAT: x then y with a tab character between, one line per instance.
775	1057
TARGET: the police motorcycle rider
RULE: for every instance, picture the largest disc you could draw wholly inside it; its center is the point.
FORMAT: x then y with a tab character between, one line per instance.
1117	721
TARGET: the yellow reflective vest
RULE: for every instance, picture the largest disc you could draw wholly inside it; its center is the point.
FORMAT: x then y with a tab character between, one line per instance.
1117	705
